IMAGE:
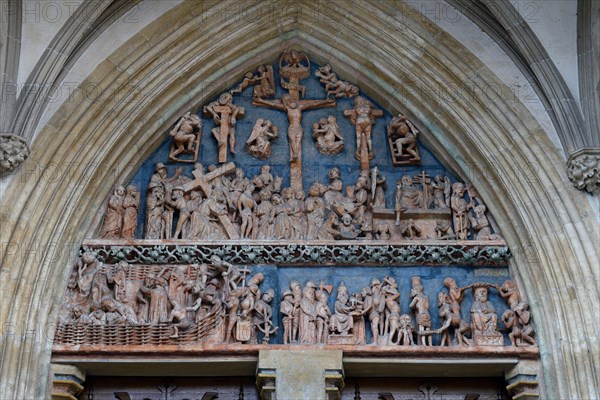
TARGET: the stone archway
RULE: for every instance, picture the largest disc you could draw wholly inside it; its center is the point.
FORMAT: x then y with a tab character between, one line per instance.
93	143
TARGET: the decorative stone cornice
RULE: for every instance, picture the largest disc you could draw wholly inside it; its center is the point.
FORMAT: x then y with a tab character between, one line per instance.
583	168
13	151
490	253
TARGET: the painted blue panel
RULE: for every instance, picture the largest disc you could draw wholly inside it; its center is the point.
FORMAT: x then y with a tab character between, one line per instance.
357	277
315	164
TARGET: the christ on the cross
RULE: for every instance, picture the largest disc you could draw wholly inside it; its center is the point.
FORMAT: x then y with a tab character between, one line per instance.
294	110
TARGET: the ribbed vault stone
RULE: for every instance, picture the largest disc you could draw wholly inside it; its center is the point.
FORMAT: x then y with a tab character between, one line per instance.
189	55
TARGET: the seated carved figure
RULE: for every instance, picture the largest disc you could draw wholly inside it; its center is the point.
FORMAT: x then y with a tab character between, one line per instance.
342	321
484	320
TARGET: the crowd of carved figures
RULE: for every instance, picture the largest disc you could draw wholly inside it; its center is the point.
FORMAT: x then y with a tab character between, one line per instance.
220	297
307	319
227	301
223	203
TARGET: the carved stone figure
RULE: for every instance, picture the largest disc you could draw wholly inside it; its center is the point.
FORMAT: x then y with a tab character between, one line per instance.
179	203
406	331
410	230
362	116
443	230
297	297
460	208
342	321
376	313
451	320
308	313
323	316
407	196
347	229
377	188
266	82
484	321
519	323
186	138
382	231
481	225
225	115
259	143
315	212
449	311
113	219
263	316
441	192
420	307
246	206
328	136
392	308
333	86
402	137
159	215
154	287
263	214
286	309
131	204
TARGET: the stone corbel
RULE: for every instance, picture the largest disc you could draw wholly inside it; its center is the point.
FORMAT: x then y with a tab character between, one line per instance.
522	381
67	381
13	151
583	169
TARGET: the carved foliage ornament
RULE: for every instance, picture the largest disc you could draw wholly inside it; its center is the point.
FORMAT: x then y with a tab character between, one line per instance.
13	151
583	169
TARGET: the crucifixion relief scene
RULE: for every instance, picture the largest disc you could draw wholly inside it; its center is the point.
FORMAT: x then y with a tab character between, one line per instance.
293	211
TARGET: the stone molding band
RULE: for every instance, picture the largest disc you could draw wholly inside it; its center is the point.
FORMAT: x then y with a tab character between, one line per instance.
290	253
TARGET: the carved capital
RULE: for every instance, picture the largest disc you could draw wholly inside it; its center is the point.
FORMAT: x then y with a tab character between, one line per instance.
13	151
583	169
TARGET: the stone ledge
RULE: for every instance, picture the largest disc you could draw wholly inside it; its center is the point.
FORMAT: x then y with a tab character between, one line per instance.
427	252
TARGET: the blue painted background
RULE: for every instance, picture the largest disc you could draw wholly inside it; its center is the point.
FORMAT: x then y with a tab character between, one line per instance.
357	277
315	164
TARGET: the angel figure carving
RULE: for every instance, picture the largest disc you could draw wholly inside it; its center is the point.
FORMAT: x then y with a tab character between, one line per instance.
328	136
259	143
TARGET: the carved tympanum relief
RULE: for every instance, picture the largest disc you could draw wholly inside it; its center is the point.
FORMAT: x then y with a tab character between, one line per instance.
209	260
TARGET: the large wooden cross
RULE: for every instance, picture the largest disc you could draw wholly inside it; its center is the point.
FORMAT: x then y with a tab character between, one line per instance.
202	180
294	108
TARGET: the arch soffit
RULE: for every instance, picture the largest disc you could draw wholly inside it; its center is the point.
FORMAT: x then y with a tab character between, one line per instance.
494	135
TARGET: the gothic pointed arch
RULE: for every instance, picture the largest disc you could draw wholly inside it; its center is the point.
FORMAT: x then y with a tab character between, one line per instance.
493	141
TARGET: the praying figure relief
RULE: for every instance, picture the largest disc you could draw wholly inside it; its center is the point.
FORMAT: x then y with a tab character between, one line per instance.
186	138
259	143
402	138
